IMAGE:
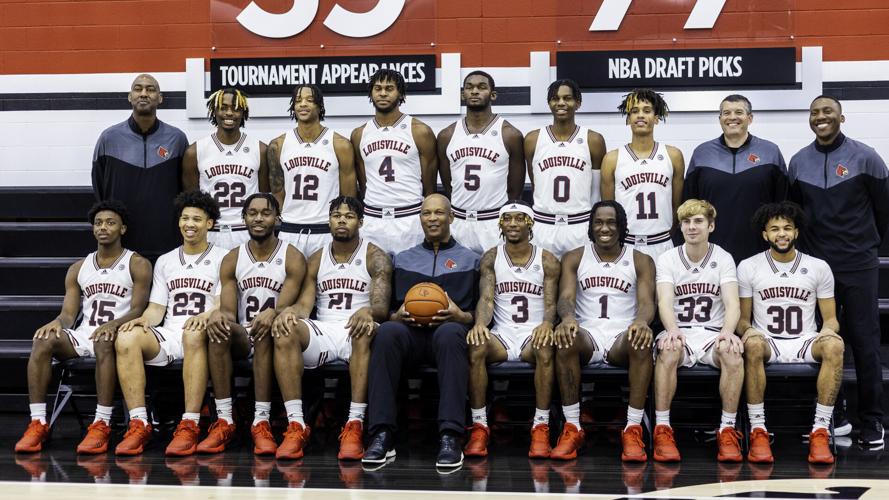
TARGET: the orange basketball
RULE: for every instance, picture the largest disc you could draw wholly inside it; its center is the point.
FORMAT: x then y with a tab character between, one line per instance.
424	300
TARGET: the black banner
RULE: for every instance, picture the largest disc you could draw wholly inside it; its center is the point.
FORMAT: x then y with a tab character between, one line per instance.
688	68
335	75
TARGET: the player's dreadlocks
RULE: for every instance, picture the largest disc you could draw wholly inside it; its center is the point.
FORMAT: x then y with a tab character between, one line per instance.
215	102
317	96
633	99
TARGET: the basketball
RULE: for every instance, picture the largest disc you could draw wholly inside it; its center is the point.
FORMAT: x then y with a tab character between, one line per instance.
424	300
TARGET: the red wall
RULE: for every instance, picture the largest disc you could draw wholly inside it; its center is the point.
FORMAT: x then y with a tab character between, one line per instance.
84	36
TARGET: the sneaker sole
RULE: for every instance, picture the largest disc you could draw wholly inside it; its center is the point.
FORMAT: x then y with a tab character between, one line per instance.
389	454
451	465
843	430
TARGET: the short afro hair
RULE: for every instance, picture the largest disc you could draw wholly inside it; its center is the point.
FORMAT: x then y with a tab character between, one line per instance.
479	72
115	206
197	199
388	75
785	210
622	225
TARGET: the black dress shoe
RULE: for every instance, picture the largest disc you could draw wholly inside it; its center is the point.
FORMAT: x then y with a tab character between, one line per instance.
871	433
380	449
449	452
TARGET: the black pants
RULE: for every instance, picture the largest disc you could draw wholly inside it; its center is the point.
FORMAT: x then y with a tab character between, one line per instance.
859	315
396	346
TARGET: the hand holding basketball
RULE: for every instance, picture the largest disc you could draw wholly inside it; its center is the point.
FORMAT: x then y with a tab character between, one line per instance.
424	302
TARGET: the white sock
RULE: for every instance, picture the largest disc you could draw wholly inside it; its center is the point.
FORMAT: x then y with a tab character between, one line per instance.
139	413
103	413
572	414
357	411
224	409
727	421
540	417
823	414
662	418
634	416
479	415
261	411
194	417
38	412
294	409
757	415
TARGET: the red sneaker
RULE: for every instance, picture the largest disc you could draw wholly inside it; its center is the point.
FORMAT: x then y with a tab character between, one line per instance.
185	469
294	472
351	441
185	439
760	451
263	440
477	445
96	440
540	447
729	447
570	441
633	446
134	441
819	447
219	435
665	444
295	438
96	466
34	437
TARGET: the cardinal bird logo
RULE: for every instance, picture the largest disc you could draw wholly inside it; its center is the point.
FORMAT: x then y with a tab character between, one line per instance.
163	152
842	171
450	264
753	158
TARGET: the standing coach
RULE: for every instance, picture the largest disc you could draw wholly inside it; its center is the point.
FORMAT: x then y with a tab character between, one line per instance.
843	187
139	162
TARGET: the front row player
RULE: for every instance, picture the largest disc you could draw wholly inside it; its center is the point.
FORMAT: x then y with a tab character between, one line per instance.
259	278
518	288
697	291
781	287
109	287
607	297
347	280
184	291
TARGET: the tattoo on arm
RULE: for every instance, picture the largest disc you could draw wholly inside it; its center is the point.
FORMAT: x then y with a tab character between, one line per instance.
484	310
380	269
276	172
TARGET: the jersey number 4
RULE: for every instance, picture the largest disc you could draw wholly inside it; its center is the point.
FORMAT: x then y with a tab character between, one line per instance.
387	171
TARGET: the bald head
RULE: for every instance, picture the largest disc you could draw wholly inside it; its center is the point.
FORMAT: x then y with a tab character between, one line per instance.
145	96
436	218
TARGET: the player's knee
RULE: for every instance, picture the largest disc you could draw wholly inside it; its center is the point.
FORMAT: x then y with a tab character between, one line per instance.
544	355
754	348
832	350
193	339
361	343
103	349
42	348
640	355
477	353
217	348
728	359
569	353
128	341
669	357
286	341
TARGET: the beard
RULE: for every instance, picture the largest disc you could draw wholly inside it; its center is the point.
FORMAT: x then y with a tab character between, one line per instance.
478	107
790	247
259	238
392	107
343	238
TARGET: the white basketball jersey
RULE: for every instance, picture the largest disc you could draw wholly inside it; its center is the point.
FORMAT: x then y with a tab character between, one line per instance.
230	173
563	174
785	295
644	186
259	281
697	298
606	290
479	166
311	177
518	290
107	291
342	287
391	164
186	284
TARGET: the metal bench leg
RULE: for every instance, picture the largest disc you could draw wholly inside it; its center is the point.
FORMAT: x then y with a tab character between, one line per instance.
64	393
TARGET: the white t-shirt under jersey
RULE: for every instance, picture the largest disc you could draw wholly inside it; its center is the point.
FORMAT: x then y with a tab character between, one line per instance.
311	177
697	298
392	172
785	295
230	173
479	166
